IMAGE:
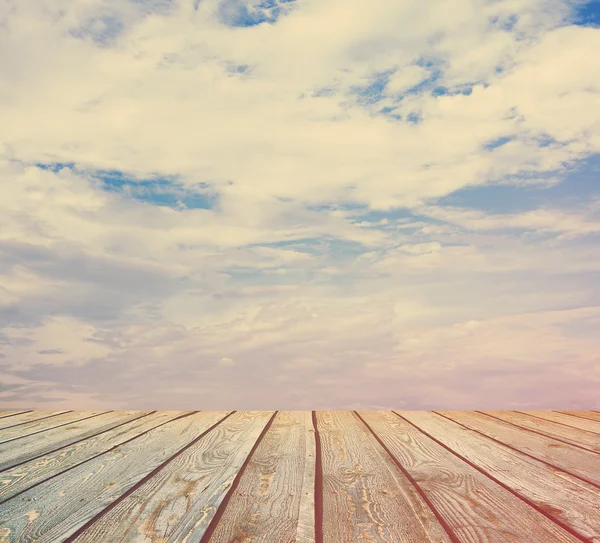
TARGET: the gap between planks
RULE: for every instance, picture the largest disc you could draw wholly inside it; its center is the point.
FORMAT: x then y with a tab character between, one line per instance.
527	501
552	465
20	466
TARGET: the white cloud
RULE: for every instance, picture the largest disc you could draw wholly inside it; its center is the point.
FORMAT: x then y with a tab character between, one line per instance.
60	340
566	222
110	107
269	117
406	78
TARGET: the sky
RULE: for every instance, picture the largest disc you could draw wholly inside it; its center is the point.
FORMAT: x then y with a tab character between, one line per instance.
300	204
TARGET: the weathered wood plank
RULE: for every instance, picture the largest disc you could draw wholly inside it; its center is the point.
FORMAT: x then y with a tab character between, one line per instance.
274	488
32	446
567	499
43	425
477	509
365	496
128	426
101	480
575	436
28	416
578	419
55	509
576	461
306	515
592	415
9	413
178	503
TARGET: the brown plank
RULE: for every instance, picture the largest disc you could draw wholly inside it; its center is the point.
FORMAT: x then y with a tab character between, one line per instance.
575	436
25	417
57	508
26	448
576	461
477	509
589	416
276	488
8	413
45	424
365	496
568	500
122	427
178	503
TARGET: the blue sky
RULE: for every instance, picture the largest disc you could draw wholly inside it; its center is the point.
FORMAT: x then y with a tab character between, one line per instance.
300	204
588	13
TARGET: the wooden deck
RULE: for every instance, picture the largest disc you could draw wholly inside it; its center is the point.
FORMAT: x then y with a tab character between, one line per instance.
295	476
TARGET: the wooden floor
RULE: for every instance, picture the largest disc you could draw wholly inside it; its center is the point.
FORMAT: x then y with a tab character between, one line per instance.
299	476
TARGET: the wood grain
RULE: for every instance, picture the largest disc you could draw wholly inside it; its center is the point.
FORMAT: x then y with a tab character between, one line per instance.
366	498
178	503
45	424
565	498
9	413
23	476
55	509
218	477
307	514
569	420
275	488
29	447
591	415
477	509
582	438
7	422
576	461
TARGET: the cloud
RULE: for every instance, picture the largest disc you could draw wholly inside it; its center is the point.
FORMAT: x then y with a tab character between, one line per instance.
242	193
566	222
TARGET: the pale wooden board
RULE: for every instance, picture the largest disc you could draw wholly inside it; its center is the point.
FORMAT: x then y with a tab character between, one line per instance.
306	515
29	447
8	413
15	420
477	509
575	436
43	425
55	509
178	503
366	498
55	512
21	477
586	420
568	499
274	488
585	464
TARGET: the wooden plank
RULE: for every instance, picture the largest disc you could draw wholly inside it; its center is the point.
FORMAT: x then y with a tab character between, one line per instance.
306	515
32	446
567	499
275	488
42	425
590	416
477	509
178	503
23	476
576	461
575	436
365	496
567	420
28	416
55	509
9	413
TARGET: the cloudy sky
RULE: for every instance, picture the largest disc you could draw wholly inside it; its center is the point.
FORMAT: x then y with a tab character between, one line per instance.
299	204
